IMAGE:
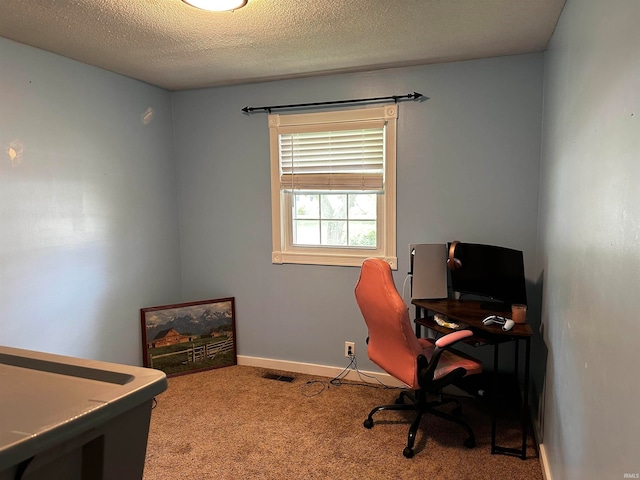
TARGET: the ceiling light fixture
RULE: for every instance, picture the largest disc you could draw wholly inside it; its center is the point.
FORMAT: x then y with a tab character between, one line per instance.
217	5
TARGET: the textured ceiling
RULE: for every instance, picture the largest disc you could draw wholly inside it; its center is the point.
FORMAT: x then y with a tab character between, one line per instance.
175	46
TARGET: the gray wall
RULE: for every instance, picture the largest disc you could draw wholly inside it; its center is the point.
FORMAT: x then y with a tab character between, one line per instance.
468	165
88	206
589	241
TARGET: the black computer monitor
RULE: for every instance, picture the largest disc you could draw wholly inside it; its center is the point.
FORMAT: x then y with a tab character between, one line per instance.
495	274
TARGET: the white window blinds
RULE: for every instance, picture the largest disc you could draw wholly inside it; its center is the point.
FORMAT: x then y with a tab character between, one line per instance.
329	158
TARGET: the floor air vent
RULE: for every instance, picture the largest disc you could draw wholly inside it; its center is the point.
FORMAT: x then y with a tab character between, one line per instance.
274	376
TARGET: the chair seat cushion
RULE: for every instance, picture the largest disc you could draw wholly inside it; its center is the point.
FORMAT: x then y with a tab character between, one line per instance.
449	360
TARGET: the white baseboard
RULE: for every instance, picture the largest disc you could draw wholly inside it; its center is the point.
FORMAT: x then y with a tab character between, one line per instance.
319	370
332	372
542	452
544	462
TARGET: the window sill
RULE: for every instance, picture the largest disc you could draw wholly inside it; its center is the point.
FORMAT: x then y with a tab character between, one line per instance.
350	260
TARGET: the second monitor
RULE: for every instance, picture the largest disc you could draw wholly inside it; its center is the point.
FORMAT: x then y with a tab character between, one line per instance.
429	270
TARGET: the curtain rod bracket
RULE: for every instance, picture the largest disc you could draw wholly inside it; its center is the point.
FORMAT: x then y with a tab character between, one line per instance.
395	98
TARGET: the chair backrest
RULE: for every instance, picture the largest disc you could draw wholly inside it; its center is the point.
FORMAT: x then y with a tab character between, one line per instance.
393	344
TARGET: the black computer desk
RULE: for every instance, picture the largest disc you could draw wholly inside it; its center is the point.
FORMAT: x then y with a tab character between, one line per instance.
469	314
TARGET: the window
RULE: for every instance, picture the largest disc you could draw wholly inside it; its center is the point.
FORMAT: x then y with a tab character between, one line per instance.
333	192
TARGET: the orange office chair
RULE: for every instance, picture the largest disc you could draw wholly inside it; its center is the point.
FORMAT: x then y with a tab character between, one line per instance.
424	365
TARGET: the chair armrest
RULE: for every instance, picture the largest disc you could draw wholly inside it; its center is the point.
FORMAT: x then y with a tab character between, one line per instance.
427	368
451	338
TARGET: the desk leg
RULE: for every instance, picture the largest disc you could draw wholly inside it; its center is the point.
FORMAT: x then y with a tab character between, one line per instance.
419	314
493	398
525	403
522	452
516	358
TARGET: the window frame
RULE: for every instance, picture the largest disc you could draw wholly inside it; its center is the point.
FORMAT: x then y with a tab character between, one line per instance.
281	201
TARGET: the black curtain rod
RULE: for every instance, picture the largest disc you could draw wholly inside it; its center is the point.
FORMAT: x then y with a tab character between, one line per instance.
395	98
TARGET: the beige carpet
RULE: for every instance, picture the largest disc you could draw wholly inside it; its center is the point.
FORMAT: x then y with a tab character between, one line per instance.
231	423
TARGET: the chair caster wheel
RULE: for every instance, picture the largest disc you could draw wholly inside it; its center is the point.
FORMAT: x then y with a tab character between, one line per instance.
470	442
408	452
368	423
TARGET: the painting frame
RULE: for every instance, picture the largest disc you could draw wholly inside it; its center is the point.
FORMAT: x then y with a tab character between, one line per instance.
189	337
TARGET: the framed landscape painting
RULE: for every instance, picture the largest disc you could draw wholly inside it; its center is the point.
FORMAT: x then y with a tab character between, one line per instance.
189	337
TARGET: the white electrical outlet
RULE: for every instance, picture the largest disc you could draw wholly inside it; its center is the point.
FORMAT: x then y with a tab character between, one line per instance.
349	349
